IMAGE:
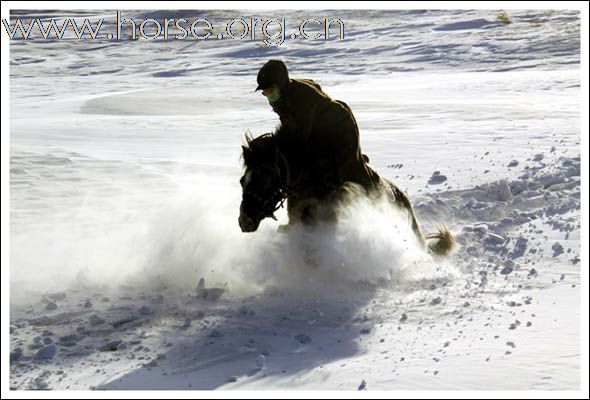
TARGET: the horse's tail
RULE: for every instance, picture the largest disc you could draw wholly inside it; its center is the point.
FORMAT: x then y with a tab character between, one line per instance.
445	241
439	243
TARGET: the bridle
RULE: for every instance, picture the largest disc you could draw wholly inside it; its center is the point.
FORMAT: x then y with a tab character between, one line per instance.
277	198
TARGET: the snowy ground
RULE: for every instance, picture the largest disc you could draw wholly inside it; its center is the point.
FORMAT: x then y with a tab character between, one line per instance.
124	171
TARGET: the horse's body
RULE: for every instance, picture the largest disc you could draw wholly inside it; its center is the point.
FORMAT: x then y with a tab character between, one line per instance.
275	173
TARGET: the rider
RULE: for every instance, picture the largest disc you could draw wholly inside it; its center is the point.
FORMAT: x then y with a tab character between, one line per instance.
323	129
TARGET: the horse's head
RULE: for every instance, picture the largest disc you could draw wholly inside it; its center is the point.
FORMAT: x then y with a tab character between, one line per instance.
263	183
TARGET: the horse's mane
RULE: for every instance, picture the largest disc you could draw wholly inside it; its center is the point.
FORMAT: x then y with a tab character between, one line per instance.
261	149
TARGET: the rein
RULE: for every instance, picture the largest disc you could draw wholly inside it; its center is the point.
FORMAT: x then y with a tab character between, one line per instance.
283	189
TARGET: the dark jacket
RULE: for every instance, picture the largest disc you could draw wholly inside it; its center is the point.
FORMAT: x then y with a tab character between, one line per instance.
318	134
306	108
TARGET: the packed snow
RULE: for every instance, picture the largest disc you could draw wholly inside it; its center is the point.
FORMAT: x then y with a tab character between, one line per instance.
128	269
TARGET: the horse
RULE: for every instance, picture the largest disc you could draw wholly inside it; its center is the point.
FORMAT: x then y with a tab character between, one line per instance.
272	176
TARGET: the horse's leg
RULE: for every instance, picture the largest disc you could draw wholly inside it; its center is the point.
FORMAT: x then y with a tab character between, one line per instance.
403	201
301	209
293	209
293	213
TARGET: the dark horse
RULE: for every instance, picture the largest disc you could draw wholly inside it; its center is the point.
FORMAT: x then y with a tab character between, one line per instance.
272	175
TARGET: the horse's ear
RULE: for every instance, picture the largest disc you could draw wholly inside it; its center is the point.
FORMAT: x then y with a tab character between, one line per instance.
248	136
246	154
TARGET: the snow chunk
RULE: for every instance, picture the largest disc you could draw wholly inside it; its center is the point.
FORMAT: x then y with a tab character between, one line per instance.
96	320
557	249
504	194
363	385
144	310
16	354
46	353
303	339
215	333
113	345
436	178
